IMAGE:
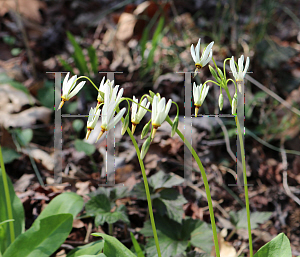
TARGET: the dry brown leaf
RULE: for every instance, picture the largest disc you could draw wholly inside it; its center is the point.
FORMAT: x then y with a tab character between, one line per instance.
78	223
28	8
40	155
126	25
226	249
26	118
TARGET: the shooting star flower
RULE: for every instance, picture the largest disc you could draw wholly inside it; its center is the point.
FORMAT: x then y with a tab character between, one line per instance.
239	74
199	93
68	86
138	112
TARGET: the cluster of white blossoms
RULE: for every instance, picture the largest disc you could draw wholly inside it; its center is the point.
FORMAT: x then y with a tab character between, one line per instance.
109	97
238	72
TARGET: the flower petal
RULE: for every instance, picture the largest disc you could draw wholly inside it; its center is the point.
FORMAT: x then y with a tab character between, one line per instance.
193	53
246	66
232	67
197	50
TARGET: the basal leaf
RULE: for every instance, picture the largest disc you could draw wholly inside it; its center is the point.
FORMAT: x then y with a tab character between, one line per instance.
91	248
113	247
43	239
278	246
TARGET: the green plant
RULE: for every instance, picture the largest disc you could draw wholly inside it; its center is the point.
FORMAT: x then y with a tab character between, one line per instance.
48	231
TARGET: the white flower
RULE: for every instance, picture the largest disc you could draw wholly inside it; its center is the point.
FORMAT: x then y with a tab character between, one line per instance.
240	74
199	94
101	90
206	55
138	113
159	112
108	110
92	120
68	86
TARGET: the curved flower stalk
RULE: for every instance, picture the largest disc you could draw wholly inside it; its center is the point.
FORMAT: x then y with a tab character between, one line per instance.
111	102
92	120
199	93
101	91
206	55
138	112
68	86
159	112
240	73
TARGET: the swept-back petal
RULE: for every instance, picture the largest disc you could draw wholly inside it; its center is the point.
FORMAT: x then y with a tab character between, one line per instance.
71	83
76	89
116	119
206	52
193	53
65	84
154	107
232	67
246	66
241	63
197	50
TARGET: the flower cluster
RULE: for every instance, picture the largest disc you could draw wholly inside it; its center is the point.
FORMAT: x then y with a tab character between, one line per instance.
109	97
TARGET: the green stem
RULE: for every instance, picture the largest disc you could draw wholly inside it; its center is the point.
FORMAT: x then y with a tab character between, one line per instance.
245	185
146	188
244	175
85	77
7	197
206	186
110	229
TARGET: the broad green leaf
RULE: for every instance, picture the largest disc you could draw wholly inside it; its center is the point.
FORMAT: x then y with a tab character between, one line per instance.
99	255
113	193
170	203
9	155
113	247
78	55
24	136
278	246
43	239
100	207
17	212
136	246
82	146
163	180
4	79
64	203
78	125
174	237
91	248
93	59
239	219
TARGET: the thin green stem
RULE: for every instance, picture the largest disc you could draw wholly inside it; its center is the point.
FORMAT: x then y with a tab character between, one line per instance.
225	65
110	229
245	185
146	188
212	82
85	77
244	175
7	198
206	186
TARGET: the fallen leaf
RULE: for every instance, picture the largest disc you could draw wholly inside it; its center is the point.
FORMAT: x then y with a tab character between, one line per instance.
28	8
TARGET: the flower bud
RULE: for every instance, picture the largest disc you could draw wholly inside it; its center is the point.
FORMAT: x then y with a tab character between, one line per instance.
221	101
125	124
150	99
174	126
145	130
234	104
215	75
145	147
151	93
220	73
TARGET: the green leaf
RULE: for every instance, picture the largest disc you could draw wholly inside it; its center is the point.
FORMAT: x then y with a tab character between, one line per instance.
43	239
91	248
93	59
4	79
78	55
66	66
46	95
113	247
278	246
78	125
24	136
170	203
9	155
136	246
17	212
100	207
174	237
112	193
85	147
239	219
163	180
64	203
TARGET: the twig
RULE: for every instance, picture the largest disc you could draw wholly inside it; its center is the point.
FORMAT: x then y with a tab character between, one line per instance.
88	232
284	176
